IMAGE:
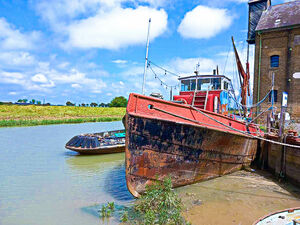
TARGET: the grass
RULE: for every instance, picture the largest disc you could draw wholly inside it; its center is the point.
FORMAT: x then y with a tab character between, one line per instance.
32	115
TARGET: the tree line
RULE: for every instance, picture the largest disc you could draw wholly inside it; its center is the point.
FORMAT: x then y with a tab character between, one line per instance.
120	101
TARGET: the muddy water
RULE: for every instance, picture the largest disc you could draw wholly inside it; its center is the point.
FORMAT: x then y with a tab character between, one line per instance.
43	183
238	198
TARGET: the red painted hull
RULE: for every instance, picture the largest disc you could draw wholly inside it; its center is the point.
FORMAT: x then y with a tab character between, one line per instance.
169	139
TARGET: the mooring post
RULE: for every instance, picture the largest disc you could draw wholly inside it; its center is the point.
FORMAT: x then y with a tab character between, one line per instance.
268	123
282	113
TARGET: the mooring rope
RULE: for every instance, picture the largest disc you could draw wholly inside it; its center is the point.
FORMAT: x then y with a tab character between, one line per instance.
231	128
254	105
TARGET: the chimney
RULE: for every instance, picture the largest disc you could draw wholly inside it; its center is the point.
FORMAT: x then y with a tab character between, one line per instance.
256	8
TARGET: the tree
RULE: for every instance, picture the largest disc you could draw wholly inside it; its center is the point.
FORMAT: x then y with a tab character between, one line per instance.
93	104
82	104
38	102
33	101
118	102
68	103
25	100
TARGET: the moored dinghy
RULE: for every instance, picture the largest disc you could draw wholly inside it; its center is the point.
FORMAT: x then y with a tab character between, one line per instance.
98	143
284	217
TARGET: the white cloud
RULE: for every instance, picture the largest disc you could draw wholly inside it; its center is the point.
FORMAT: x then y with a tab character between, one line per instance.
12	93
117	28
75	85
204	22
187	66
39	78
12	38
16	59
119	61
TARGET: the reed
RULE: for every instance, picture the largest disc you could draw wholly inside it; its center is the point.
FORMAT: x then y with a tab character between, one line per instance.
14	123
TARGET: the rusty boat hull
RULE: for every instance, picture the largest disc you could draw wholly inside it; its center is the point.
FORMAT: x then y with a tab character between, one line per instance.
168	139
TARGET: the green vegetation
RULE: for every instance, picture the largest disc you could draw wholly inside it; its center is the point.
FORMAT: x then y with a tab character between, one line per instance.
124	217
31	115
118	102
107	210
158	205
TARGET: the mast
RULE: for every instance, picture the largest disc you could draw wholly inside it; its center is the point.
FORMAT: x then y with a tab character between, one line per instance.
146	59
244	78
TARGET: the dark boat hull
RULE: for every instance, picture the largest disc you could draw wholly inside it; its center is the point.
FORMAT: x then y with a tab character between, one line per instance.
98	143
96	151
157	148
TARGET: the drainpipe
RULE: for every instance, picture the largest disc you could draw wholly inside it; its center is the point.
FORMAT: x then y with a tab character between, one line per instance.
259	68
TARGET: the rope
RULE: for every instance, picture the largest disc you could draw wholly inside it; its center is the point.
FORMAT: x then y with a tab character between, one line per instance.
231	128
252	106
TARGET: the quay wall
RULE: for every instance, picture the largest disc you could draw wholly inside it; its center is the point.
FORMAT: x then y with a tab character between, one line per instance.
283	162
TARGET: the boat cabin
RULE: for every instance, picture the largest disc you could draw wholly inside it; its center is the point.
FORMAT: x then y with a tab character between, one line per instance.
209	92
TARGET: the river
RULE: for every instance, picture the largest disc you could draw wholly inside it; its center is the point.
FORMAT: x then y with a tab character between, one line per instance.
43	183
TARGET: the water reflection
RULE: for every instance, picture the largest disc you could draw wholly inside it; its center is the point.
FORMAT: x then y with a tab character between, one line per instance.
116	184
94	163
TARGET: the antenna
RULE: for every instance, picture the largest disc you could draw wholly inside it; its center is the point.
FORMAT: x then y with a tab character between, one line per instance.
146	59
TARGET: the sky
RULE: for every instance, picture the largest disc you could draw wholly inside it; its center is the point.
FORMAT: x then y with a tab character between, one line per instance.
87	51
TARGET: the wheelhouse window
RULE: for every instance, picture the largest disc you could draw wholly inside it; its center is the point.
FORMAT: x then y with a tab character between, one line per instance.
274	61
274	96
226	85
216	83
185	85
204	84
193	85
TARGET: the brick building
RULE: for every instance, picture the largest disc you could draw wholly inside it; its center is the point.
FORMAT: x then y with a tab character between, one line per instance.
275	31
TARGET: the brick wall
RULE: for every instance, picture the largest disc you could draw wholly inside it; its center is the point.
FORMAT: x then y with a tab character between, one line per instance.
286	44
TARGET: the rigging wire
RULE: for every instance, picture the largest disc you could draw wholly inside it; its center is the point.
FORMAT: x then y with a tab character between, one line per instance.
161	81
165	70
226	59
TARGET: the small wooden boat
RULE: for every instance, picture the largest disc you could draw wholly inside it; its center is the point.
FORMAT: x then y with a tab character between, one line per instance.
98	143
284	217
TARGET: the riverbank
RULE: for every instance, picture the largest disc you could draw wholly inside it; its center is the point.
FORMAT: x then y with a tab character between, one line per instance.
238	198
33	115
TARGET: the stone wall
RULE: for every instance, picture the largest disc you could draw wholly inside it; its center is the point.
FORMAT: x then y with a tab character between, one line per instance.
286	44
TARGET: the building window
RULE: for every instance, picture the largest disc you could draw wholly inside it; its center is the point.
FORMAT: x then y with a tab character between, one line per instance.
274	96
274	61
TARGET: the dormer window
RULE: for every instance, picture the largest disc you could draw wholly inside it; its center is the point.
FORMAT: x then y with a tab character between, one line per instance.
274	61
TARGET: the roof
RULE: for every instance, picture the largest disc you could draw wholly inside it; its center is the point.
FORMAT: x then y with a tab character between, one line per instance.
254	1
204	76
280	16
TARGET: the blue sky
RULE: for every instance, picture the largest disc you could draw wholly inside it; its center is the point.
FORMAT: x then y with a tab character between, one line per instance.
93	50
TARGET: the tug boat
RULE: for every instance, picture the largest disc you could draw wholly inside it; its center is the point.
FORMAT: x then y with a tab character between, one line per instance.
185	142
191	138
98	143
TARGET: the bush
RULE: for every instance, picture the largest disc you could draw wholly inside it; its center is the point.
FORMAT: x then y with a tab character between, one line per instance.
160	205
